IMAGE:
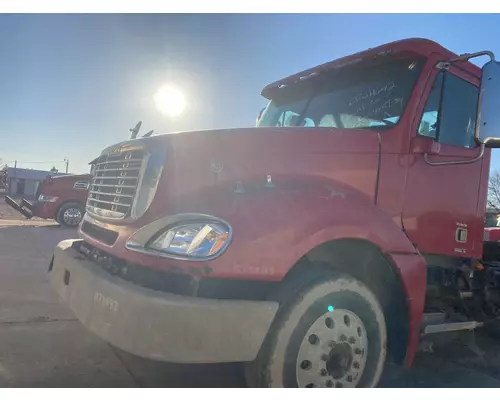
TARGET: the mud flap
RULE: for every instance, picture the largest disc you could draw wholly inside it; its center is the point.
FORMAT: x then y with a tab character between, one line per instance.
25	208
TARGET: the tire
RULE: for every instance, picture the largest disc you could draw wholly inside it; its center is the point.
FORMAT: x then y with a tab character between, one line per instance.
329	332
70	215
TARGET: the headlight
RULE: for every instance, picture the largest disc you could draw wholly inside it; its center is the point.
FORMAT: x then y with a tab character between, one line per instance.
48	199
196	240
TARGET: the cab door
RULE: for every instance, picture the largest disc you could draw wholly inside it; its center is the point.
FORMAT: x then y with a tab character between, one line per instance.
440	212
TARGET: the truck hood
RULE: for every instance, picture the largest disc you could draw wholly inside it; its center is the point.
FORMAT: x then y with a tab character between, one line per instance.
272	139
61	184
200	166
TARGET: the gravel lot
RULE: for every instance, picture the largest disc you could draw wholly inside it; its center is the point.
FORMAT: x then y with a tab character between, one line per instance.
42	345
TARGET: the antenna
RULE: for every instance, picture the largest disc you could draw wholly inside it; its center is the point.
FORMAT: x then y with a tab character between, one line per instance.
135	131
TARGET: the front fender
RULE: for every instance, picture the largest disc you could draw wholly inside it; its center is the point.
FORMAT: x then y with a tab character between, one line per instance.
274	229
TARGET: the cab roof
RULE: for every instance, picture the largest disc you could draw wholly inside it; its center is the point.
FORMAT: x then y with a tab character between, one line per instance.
420	46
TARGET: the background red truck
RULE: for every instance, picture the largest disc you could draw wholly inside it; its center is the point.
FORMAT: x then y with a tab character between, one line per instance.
491	235
61	198
340	232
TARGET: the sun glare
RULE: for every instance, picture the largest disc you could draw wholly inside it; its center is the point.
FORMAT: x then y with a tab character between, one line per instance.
170	101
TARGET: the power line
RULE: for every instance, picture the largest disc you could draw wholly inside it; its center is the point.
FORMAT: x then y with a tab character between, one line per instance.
32	162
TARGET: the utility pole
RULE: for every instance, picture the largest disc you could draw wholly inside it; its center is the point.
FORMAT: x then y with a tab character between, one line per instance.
67	164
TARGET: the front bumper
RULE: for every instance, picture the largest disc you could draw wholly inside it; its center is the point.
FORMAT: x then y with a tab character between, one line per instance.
25	208
158	325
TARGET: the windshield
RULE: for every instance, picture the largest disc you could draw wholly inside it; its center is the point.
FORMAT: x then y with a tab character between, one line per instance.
366	97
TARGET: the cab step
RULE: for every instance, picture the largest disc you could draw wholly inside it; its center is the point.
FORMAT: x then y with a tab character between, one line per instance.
437	323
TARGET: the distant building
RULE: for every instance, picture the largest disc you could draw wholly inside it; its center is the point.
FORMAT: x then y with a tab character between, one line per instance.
25	182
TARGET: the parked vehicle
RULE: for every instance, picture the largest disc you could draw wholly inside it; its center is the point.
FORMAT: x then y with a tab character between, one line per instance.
60	197
491	247
344	229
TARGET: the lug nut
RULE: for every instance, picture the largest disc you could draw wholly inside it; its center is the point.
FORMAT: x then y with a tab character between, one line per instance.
357	351
355	364
331	343
352	340
324	357
349	378
329	383
324	372
343	338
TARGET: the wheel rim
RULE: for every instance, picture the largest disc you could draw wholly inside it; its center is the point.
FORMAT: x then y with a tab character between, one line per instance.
333	351
72	216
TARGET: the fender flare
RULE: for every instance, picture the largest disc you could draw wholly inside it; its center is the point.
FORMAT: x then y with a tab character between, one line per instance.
380	230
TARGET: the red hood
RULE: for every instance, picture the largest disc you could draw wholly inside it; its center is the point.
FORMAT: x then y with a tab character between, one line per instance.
200	166
70	178
62	185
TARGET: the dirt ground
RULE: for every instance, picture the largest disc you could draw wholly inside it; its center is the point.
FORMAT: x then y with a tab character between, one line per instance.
42	345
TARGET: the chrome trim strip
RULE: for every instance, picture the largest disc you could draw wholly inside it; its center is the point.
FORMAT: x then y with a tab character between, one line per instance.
125	160
113	186
111	194
116	177
116	169
94	211
109	202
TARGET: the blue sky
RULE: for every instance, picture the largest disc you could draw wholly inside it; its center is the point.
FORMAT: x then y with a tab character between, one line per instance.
74	84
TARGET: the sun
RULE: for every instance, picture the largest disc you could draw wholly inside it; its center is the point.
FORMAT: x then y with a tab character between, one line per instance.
170	100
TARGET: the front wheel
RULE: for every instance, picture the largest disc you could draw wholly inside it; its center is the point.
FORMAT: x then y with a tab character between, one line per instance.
70	215
331	333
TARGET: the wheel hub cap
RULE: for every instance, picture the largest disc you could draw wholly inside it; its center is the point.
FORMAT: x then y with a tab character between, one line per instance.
333	352
72	216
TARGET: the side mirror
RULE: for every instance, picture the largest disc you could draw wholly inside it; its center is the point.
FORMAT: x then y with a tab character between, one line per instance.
260	115
488	115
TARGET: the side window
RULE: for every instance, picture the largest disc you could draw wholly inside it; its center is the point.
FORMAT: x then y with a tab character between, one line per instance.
429	121
290	118
450	113
458	112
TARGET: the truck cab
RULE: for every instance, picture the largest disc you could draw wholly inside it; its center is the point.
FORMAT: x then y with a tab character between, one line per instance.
59	197
339	232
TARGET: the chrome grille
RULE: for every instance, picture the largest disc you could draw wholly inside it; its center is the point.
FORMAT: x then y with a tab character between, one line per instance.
115	181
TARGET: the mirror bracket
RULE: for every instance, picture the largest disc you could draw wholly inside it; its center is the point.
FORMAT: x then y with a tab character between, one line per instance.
465	57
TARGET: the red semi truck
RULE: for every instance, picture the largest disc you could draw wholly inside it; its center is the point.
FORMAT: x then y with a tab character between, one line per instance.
340	232
61	198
